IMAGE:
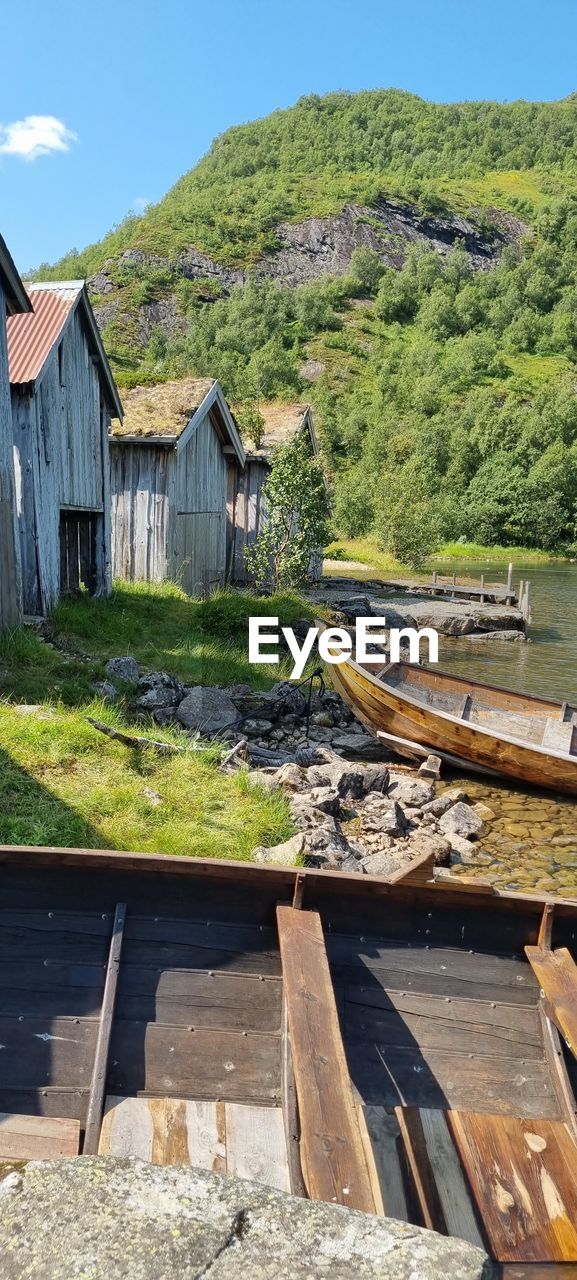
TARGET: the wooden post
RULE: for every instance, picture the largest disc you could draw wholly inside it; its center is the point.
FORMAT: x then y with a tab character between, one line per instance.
509	596
98	1082
520	595
482	597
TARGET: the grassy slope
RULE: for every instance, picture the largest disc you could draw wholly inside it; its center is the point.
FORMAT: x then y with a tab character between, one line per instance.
366	551
63	783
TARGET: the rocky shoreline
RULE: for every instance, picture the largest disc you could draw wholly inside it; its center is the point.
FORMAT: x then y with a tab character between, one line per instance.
353	808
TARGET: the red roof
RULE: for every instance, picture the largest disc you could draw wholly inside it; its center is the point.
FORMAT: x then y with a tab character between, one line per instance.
31	337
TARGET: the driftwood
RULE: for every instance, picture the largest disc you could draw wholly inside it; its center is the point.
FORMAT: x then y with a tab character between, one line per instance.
302	755
232	755
131	740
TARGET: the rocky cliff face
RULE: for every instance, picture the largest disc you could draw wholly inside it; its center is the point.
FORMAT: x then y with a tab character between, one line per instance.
312	248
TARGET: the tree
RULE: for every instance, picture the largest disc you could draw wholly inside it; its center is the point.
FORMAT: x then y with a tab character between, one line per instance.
366	268
297	505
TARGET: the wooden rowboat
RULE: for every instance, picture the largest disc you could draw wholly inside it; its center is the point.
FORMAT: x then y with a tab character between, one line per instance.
383	1045
516	734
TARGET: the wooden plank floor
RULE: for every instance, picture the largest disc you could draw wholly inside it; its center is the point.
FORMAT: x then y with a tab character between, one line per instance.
37	1138
439	1027
227	1138
523	1178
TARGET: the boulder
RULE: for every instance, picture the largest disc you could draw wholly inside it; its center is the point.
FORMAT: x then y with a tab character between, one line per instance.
414	792
326	799
375	778
291	777
384	816
126	669
253	703
344	778
207	709
260	778
461	820
380	863
121	1217
156	698
165	715
484	811
281	855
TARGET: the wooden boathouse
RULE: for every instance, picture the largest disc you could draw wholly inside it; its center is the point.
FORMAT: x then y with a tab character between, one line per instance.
63	398
246	500
13	301
175	458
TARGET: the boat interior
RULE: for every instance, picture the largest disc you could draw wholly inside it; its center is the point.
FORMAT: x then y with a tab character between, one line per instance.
552	725
344	1038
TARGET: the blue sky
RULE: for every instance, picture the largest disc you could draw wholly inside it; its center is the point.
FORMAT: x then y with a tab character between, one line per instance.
135	90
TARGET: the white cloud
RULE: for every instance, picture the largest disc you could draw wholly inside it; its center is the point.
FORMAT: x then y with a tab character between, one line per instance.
140	203
35	136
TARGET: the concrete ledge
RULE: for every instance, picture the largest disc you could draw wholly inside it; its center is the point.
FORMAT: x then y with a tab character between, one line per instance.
123	1219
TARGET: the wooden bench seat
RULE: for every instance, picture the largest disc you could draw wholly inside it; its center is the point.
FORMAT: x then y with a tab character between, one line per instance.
559	735
556	973
37	1137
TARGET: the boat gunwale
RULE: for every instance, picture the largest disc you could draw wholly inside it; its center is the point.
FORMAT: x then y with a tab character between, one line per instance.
443	890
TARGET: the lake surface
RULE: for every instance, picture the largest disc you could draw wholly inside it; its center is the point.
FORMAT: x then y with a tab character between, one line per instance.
547	664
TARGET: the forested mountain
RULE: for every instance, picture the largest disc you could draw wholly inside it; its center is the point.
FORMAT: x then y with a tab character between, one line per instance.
409	267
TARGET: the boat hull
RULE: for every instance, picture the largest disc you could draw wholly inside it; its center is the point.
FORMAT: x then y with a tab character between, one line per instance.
383	707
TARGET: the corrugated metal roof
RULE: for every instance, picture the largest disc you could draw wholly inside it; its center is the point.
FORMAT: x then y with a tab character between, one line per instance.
32	337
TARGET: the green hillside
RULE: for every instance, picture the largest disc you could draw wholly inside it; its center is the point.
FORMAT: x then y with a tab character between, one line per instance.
445	395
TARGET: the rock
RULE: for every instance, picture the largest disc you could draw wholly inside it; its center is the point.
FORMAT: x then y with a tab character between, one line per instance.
158	697
410	791
260	778
461	820
256	728
384	816
485	813
282	855
352	864
462	850
291	777
380	863
359	744
126	669
152	796
288	698
443	802
375	778
492	636
103	689
421	842
253	703
326	799
342	777
431	767
165	715
324	719
207	709
121	1217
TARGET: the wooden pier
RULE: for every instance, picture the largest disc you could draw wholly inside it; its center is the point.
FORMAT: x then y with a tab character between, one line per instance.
482	593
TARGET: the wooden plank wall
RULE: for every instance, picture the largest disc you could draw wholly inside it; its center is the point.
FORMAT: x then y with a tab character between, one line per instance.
141	478
9	547
61	444
197	554
248	512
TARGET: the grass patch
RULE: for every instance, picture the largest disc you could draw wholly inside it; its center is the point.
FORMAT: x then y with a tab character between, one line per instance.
365	551
63	783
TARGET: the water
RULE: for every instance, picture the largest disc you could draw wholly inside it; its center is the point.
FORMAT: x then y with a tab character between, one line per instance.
547	664
531	842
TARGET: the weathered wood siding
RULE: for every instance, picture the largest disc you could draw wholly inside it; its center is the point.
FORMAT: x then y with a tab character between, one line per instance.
141	476
61	462
9	556
246	511
197	554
